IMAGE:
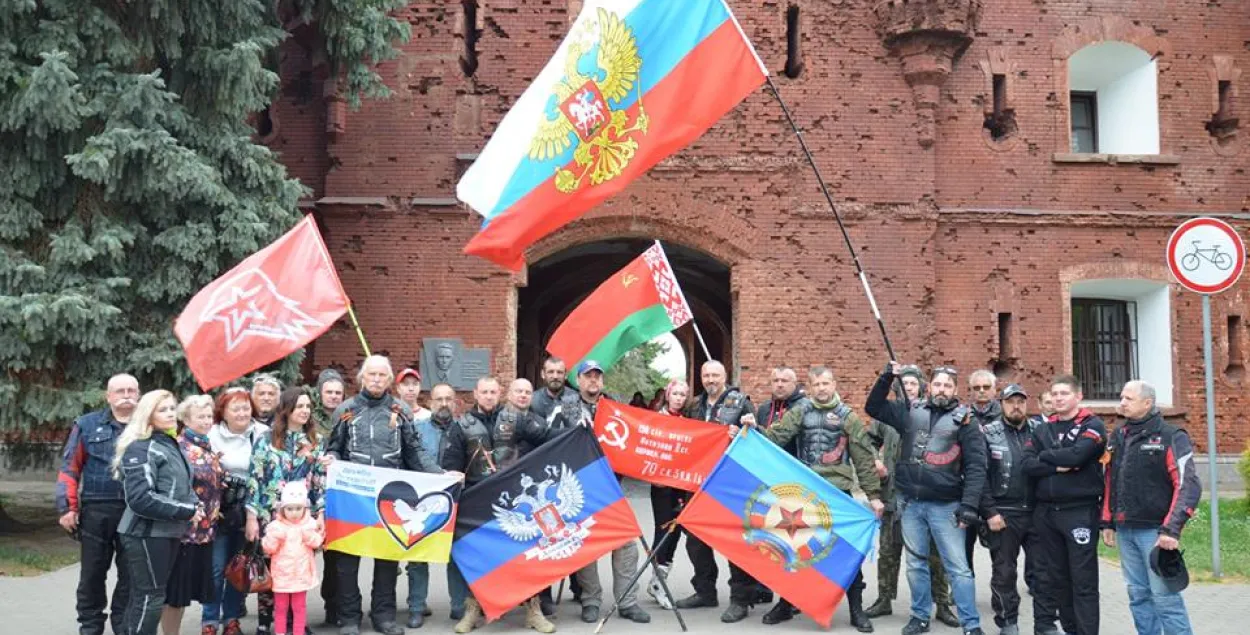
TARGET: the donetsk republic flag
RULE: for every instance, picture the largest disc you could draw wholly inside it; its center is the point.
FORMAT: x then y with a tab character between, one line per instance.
377	512
555	511
781	522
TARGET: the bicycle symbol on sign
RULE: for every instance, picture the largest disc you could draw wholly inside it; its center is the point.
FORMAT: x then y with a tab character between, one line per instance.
1213	255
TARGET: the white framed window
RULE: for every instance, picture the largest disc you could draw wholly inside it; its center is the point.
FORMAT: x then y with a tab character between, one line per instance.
1121	330
1113	100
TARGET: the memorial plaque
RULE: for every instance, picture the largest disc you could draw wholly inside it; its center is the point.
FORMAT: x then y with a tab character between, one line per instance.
446	360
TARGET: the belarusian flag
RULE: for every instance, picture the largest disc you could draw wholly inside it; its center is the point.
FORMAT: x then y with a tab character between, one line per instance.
638	303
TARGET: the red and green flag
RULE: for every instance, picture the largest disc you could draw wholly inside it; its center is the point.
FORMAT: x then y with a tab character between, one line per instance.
638	303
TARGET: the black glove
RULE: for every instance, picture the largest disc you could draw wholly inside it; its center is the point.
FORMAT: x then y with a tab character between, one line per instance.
967	516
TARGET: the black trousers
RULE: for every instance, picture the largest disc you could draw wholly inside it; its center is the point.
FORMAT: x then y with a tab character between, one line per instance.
1068	576
666	503
330	584
149	562
970	546
382	597
743	589
1005	547
101	547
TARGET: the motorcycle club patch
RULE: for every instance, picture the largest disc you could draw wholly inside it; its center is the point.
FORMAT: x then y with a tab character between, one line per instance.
1081	535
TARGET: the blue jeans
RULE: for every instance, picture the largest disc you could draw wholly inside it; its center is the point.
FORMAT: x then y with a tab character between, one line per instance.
925	519
419	586
1154	608
229	604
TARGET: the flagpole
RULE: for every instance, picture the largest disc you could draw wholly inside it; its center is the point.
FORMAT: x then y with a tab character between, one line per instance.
633	582
863	277
359	333
693	322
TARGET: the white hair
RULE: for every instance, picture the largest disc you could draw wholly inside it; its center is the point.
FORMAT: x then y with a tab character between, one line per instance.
983	374
265	378
374	360
192	403
1144	389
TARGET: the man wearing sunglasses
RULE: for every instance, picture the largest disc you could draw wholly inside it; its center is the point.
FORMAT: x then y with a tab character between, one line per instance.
985	411
940	475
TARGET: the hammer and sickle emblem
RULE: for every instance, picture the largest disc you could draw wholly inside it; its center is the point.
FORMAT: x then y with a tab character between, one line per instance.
615	434
628	279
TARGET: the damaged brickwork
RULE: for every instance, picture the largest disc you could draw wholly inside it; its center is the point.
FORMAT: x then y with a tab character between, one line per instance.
957	224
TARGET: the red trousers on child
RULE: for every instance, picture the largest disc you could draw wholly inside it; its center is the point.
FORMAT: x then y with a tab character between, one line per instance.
297	603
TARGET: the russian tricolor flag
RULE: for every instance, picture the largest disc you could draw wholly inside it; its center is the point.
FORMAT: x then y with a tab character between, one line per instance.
781	522
633	82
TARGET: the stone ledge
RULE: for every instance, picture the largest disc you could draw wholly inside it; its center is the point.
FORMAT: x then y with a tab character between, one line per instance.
1113	159
355	201
440	205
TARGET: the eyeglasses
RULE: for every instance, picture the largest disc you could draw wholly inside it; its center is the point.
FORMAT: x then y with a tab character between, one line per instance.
945	370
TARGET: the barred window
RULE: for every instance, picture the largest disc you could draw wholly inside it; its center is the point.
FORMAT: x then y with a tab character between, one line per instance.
1104	345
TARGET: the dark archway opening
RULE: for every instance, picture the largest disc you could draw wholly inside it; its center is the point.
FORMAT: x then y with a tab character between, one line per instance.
559	282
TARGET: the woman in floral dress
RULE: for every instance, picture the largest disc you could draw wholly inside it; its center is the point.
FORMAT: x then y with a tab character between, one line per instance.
290	452
192	577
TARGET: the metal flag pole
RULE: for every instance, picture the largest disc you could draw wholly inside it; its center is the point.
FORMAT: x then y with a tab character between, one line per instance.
863	277
693	322
633	582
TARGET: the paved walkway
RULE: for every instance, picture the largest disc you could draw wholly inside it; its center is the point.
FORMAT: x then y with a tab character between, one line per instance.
45	604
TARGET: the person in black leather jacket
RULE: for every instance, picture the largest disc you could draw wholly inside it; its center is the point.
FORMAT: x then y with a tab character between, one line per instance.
1063	457
160	505
938	479
729	406
374	428
1007	506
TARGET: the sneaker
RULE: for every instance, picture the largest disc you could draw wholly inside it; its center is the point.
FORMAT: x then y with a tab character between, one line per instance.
915	627
233	628
946	615
349	629
974	631
416	619
208	629
1009	629
634	613
735	613
590	614
656	590
697	601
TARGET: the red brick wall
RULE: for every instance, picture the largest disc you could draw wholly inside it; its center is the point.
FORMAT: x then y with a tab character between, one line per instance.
951	234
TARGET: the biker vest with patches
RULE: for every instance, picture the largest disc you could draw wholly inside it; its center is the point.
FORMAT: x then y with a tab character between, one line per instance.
505	437
1006	481
822	435
728	411
935	444
478	446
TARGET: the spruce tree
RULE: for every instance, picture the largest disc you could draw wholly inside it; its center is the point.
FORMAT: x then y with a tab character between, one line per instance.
131	177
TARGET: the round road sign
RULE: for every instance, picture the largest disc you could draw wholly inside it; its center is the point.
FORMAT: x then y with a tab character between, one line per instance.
1206	255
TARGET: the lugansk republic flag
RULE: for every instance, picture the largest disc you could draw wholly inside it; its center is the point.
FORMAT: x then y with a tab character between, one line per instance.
526	527
636	304
781	522
633	82
378	512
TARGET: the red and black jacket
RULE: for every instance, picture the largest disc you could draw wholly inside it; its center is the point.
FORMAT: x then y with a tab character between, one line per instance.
1151	481
1076	444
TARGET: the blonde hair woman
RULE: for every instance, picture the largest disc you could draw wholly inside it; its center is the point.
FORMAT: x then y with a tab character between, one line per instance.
160	505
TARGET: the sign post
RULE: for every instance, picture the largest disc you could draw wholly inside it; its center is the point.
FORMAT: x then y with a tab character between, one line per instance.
1207	256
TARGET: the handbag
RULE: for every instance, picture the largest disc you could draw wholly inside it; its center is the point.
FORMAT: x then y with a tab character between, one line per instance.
248	572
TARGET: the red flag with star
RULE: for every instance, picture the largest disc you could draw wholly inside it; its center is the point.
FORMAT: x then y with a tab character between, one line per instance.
267	307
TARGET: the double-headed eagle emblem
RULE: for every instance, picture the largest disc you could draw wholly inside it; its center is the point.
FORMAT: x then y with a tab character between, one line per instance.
533	513
581	104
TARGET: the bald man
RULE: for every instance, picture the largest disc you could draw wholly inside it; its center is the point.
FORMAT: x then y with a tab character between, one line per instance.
727	405
91	504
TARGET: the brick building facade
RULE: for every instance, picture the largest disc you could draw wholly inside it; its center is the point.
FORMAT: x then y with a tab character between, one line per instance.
1010	170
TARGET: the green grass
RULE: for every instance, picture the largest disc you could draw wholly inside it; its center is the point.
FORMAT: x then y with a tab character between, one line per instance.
32	560
1196	541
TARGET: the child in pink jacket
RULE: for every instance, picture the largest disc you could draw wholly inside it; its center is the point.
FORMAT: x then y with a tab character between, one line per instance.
290	540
